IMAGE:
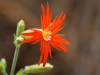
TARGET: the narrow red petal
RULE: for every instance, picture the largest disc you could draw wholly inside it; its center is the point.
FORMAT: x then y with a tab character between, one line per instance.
58	44
40	60
57	30
43	19
64	41
55	45
26	40
55	27
45	53
48	15
59	24
61	40
53	24
34	42
42	52
49	50
42	45
62	47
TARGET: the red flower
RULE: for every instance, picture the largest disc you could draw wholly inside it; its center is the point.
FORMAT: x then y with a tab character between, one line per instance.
47	35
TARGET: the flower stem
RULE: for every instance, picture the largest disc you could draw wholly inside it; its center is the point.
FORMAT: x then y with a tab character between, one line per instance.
14	60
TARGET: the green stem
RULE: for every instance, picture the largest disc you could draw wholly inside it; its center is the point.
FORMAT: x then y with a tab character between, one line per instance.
14	60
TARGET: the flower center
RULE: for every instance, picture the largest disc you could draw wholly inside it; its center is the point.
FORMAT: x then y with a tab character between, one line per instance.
46	35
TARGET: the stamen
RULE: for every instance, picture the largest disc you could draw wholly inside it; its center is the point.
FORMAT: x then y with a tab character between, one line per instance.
46	35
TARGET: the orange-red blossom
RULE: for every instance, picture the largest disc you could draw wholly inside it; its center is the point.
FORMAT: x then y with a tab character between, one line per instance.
48	34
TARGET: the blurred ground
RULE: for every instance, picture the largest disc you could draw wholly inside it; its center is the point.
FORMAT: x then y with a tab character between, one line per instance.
82	29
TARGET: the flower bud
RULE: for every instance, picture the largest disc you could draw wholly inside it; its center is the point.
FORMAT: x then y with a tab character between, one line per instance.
3	62
20	28
1	67
37	69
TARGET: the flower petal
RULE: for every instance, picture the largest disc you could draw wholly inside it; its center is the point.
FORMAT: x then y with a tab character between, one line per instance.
56	24
59	39
46	53
59	46
27	40
43	17
42	48
46	16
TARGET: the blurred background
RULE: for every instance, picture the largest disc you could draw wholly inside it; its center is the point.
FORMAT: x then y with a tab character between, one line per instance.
82	29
